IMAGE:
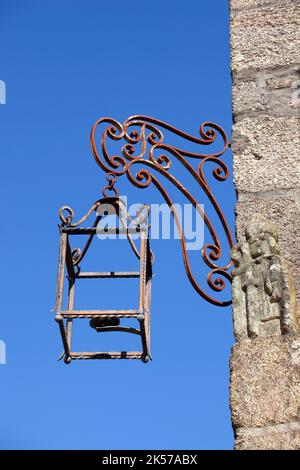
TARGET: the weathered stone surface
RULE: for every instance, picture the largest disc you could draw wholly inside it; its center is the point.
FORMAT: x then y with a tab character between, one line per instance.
247	96
268	149
267	36
275	92
265	65
263	293
283	210
280	437
255	3
265	381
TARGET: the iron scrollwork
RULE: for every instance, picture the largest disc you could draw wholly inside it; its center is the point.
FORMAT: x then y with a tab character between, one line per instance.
144	144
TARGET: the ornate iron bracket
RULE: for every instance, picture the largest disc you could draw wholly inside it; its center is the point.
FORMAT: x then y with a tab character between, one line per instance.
143	143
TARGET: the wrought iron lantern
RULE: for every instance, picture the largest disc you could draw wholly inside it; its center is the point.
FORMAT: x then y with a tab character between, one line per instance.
143	143
70	262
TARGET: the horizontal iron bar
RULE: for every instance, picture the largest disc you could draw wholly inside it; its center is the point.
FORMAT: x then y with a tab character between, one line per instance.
107	355
102	231
100	313
110	274
125	329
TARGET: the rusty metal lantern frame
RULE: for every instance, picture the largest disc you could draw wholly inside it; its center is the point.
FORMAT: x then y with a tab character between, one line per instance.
69	262
143	143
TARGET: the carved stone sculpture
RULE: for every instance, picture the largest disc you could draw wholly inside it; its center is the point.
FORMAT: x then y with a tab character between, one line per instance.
263	293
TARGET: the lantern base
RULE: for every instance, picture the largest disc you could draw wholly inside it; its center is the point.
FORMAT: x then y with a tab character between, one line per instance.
98	323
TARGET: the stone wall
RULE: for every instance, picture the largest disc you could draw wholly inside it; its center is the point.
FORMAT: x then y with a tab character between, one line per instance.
265	393
265	64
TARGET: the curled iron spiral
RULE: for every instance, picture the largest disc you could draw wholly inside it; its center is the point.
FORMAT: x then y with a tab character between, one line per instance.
143	143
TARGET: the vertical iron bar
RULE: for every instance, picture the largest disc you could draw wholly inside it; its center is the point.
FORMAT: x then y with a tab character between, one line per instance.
142	272
71	293
60	272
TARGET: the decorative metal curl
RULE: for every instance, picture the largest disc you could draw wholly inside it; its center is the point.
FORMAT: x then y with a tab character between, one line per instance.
144	143
66	215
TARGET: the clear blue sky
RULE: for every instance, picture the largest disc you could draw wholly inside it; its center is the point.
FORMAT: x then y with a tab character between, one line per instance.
66	63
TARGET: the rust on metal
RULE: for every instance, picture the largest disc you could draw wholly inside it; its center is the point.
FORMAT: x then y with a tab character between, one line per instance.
143	144
70	263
